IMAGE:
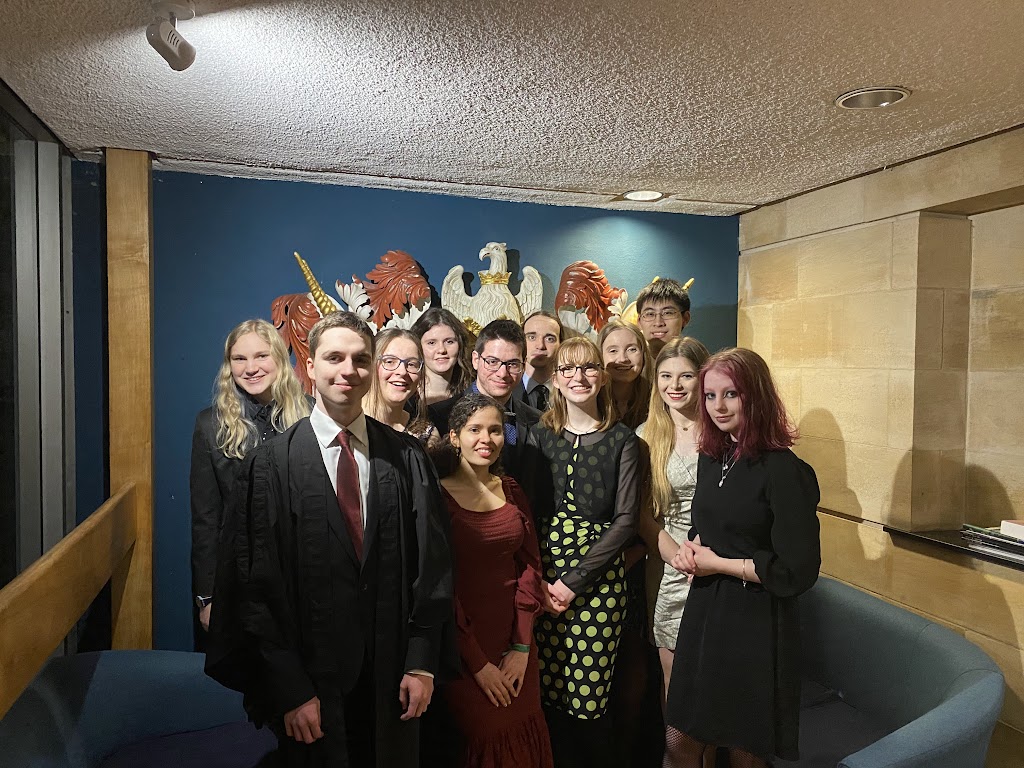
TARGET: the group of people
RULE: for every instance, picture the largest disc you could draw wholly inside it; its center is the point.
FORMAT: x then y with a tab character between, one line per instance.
464	552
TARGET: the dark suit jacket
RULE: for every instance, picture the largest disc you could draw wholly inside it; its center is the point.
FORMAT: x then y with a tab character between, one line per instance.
211	481
298	615
513	457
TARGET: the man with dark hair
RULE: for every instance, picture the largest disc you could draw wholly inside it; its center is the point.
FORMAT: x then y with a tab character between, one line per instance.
334	578
499	361
663	310
543	331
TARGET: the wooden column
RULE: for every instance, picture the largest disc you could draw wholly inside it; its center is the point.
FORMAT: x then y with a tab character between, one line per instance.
130	365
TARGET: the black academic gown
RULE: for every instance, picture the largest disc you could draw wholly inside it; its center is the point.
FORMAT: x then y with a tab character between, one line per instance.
297	615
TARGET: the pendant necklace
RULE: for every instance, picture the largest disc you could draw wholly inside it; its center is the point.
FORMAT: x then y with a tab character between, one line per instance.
726	467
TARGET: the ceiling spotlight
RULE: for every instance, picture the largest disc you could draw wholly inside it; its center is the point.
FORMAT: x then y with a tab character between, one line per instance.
872	98
163	34
643	195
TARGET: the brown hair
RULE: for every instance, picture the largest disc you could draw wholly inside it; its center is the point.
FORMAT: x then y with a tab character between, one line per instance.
348	320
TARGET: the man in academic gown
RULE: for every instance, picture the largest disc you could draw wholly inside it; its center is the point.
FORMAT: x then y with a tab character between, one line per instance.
334	576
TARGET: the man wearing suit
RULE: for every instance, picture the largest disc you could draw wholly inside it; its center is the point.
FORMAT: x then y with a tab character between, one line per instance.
543	332
499	361
334	576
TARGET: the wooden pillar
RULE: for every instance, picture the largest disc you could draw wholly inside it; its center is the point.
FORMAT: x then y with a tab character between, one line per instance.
130	366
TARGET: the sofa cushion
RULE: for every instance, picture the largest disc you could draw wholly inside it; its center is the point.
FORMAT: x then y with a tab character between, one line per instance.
233	745
831	730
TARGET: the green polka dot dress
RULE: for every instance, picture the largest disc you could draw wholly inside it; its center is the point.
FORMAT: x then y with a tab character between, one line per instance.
592	515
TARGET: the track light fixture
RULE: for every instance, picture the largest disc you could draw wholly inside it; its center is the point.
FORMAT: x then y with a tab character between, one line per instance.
163	34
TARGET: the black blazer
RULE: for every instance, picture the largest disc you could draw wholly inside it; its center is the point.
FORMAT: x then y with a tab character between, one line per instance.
211	481
513	457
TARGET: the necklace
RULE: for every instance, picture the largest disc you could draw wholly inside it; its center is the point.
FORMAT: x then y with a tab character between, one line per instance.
726	467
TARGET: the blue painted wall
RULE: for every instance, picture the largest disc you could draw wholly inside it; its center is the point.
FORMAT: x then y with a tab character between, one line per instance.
223	253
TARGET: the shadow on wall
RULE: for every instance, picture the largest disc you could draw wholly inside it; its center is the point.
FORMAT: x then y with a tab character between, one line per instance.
988	503
828	459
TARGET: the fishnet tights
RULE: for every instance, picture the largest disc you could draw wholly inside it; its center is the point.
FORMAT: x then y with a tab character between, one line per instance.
682	751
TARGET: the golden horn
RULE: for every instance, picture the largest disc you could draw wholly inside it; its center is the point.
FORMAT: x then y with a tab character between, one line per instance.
688	284
323	301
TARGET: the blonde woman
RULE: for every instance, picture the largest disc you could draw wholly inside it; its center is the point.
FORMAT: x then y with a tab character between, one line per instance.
586	498
256	396
627	361
398	380
672	432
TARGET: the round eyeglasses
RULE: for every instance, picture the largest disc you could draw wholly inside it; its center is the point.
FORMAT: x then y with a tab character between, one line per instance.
391	363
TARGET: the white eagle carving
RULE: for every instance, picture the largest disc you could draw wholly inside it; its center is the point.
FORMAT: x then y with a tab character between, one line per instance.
493	301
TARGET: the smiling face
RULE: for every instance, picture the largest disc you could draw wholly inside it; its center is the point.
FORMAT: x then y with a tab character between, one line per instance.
724	404
579	380
440	349
341	373
623	356
500	382
678	384
252	367
541	340
480	441
397	386
661	321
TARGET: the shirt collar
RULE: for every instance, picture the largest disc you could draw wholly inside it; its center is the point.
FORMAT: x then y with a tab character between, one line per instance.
326	429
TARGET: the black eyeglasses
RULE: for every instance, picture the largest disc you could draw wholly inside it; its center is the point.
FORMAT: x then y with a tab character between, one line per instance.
391	363
590	370
492	364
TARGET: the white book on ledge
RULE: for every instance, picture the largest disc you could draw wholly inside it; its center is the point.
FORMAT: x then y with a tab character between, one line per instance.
1014	528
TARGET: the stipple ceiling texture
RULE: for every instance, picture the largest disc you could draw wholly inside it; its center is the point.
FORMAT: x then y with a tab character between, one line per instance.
724	105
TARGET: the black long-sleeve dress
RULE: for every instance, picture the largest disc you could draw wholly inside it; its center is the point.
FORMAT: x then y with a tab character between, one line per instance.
736	676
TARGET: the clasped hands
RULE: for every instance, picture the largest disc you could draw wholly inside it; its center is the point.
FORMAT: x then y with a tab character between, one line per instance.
557	598
503	682
694	559
303	722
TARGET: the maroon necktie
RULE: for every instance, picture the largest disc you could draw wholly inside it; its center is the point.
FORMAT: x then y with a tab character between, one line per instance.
348	493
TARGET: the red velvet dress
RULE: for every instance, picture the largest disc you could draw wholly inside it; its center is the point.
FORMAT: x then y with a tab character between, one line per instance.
498	593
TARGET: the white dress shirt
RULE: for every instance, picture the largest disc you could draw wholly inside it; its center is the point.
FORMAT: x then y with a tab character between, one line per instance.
326	430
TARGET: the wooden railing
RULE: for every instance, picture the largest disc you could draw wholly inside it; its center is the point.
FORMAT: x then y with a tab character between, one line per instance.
41	605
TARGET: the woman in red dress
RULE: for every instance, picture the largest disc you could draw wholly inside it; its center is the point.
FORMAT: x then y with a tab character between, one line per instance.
498	593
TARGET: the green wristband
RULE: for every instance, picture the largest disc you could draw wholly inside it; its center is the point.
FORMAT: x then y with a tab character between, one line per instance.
520	647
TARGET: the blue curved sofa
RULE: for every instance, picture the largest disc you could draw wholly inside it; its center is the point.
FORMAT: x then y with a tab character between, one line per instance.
886	688
117	709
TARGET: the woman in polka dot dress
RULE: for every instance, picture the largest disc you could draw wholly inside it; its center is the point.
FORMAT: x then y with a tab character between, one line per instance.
586	493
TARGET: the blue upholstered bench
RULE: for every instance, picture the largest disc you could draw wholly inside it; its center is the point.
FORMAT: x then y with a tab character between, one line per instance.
885	687
121	709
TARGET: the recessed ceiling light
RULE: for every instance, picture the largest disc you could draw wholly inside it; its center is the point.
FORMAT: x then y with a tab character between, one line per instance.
872	98
643	195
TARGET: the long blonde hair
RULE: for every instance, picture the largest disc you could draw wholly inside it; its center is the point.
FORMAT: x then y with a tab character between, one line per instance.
660	431
373	401
236	435
636	409
578	350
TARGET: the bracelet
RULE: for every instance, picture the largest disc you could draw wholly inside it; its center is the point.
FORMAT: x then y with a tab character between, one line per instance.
744	571
520	647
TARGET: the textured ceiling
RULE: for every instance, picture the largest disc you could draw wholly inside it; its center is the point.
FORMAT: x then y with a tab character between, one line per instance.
724	105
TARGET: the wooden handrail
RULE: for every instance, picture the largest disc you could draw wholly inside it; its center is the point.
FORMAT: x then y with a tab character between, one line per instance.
41	605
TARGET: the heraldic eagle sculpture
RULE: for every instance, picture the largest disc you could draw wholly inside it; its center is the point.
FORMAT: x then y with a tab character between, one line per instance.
494	301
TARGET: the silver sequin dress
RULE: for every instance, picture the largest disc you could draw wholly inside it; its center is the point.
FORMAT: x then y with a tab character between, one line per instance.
673	586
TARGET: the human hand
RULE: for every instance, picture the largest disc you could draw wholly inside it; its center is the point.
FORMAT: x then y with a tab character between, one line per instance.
561	596
495	684
634	555
204	616
705	561
513	666
414	693
303	722
682	561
